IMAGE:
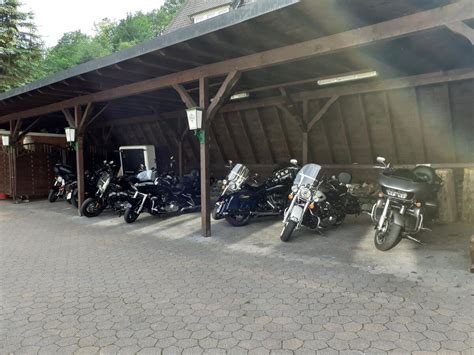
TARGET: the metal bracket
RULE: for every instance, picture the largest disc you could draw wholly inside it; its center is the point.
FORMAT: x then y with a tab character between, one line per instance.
200	135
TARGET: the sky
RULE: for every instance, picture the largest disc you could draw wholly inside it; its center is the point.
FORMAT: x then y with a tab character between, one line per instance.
54	17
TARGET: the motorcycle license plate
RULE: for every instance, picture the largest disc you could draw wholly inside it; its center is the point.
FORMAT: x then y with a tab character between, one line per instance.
69	195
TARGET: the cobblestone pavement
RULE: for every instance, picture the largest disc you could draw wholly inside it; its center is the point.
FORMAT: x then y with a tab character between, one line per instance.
86	286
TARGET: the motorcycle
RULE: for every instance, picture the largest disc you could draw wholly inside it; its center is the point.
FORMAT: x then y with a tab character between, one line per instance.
242	200
407	199
112	192
64	177
91	179
318	202
166	194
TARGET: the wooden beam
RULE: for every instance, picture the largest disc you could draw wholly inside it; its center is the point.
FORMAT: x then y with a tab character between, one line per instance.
205	159
366	125
298	120
85	117
232	138
387	30
93	118
28	129
283	130
386	102
322	112
246	135
462	29
185	97
344	132
278	101
265	135
222	94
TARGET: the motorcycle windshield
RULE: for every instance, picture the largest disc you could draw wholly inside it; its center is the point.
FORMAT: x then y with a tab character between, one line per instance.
307	175
238	174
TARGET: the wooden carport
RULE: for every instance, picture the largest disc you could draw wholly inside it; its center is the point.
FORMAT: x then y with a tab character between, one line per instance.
277	50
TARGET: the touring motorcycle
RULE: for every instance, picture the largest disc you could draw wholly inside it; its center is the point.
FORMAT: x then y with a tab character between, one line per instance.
112	192
163	194
64	177
408	198
318	202
242	200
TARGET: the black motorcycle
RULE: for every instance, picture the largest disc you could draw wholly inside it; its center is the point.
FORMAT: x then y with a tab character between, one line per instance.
112	192
408	198
164	195
90	185
243	199
63	180
318	202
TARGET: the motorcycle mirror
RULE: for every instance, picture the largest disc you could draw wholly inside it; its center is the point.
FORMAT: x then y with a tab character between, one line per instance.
381	160
294	161
111	162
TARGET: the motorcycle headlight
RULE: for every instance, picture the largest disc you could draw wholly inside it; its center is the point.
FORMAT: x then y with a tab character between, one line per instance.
59	178
294	189
305	193
224	182
397	194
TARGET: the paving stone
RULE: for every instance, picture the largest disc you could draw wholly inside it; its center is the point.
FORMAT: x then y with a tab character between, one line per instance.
73	286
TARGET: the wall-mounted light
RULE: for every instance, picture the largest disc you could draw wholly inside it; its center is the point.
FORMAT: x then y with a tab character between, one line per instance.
6	141
71	137
194	118
348	77
240	96
70	134
29	143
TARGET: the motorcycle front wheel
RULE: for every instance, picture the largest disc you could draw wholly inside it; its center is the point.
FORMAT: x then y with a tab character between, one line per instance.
130	215
287	231
52	195
238	220
390	238
91	208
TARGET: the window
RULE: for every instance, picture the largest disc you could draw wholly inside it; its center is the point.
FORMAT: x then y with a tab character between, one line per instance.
203	16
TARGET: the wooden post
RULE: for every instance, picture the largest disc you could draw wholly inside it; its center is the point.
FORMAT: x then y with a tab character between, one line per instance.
180	158
304	136
79	156
447	211
204	150
468	196
472	254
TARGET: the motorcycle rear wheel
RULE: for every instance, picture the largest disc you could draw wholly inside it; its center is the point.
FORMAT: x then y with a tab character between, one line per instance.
52	195
130	215
390	238
238	220
91	208
287	231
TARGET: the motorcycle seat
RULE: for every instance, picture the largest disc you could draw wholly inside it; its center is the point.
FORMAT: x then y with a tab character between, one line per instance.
425	174
178	188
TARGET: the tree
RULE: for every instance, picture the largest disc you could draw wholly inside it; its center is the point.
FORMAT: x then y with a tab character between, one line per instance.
73	48
20	46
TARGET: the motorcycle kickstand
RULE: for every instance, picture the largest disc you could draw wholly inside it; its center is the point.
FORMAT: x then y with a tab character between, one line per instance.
409	237
320	232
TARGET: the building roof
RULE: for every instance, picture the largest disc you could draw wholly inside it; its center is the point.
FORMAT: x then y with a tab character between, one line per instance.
193	7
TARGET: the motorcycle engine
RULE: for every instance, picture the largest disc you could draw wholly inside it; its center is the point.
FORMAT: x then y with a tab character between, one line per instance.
171	206
275	202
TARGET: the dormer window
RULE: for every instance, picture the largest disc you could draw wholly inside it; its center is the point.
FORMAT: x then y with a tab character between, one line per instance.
206	15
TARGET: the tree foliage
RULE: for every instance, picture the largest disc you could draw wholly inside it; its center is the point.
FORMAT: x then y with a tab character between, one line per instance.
20	46
110	36
21	49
